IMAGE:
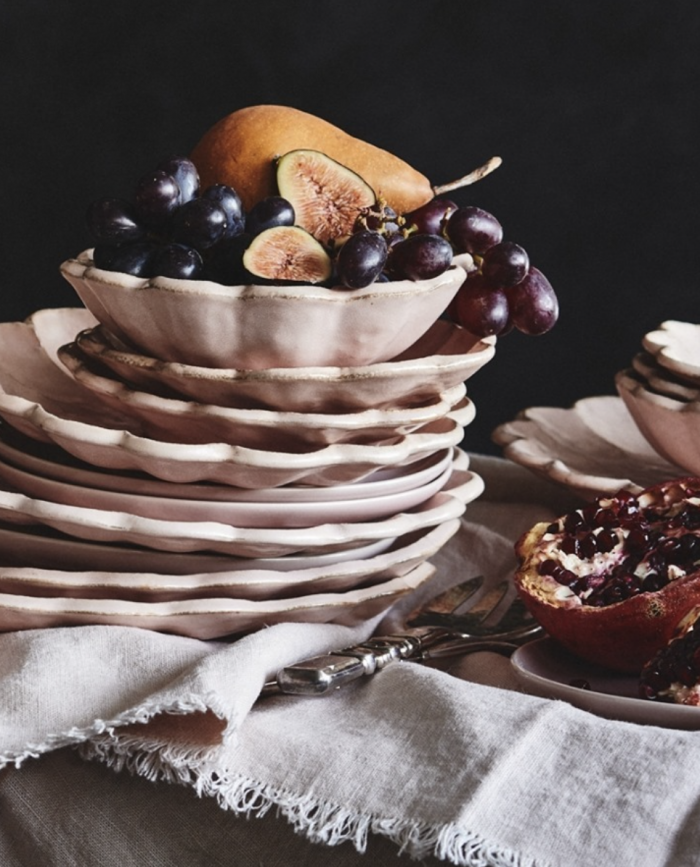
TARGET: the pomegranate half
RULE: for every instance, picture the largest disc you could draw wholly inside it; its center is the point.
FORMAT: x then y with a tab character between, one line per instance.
611	581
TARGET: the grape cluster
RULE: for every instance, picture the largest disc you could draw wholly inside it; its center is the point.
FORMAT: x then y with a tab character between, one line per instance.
502	292
170	228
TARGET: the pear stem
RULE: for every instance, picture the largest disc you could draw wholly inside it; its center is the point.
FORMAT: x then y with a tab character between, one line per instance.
471	178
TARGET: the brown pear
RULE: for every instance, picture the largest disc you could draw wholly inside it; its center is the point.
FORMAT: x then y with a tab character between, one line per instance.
241	149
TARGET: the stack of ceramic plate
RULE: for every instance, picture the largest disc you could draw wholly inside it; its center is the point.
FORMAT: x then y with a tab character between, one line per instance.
662	392
209	500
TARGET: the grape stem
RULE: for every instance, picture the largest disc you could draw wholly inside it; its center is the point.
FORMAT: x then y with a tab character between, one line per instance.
473	176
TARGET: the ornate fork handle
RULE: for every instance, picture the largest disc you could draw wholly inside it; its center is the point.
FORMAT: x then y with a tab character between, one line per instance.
324	674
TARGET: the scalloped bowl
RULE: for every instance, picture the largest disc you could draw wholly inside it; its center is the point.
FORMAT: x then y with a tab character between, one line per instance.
671	426
257	327
676	346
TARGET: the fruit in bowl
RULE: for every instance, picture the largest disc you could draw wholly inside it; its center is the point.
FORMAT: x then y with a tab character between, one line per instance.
612	580
292	212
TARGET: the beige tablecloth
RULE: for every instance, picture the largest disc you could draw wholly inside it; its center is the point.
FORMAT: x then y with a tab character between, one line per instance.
455	766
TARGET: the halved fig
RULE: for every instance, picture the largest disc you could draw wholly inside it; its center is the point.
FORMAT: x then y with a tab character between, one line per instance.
610	581
327	197
287	253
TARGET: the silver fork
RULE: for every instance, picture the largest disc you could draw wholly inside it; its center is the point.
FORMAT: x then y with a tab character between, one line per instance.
450	624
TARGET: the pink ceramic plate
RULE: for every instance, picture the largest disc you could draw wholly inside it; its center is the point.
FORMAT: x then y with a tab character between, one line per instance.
442	358
46	404
166	535
239	513
406	554
42	548
44	459
208	618
544	668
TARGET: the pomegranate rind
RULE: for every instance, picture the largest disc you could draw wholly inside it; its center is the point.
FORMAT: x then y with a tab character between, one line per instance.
622	636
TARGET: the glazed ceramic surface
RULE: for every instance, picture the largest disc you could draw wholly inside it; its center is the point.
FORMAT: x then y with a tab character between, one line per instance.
661	380
43	402
462	487
671	426
544	668
240	512
208	618
676	346
192	422
255	582
444	357
256	327
592	448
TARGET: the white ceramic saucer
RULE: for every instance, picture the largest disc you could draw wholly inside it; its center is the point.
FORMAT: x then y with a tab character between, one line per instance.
251	583
442	358
46	404
462	487
238	512
592	448
544	668
661	380
209	618
676	346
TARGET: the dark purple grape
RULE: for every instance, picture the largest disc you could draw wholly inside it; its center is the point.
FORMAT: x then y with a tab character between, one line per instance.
200	223
505	264
533	303
113	221
135	258
420	257
177	260
225	263
185	173
269	213
482	308
361	259
230	202
430	218
472	230
156	198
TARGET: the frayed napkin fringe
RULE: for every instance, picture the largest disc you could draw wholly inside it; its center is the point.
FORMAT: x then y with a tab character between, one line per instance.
76	736
317	820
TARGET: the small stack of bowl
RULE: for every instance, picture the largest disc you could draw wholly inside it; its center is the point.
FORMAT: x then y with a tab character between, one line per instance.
206	459
661	390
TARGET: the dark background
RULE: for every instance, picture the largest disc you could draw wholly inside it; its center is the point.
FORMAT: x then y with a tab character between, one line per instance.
593	107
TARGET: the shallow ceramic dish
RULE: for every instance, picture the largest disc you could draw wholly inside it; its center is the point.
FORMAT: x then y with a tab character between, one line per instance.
593	448
43	548
209	618
445	356
661	380
190	422
676	346
165	535
672	427
45	403
239	512
544	668
406	554
255	327
49	461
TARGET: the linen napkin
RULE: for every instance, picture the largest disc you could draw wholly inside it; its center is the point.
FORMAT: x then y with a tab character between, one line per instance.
460	765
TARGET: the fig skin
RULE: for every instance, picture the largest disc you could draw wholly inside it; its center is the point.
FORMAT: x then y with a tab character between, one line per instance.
241	149
622	636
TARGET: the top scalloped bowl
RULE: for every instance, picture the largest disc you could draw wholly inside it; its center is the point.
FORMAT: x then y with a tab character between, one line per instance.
676	346
256	327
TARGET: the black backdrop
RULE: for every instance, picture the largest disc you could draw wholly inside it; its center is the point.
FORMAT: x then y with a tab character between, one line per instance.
593	107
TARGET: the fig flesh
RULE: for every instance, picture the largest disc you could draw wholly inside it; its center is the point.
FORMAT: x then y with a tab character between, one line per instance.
326	196
612	580
287	253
